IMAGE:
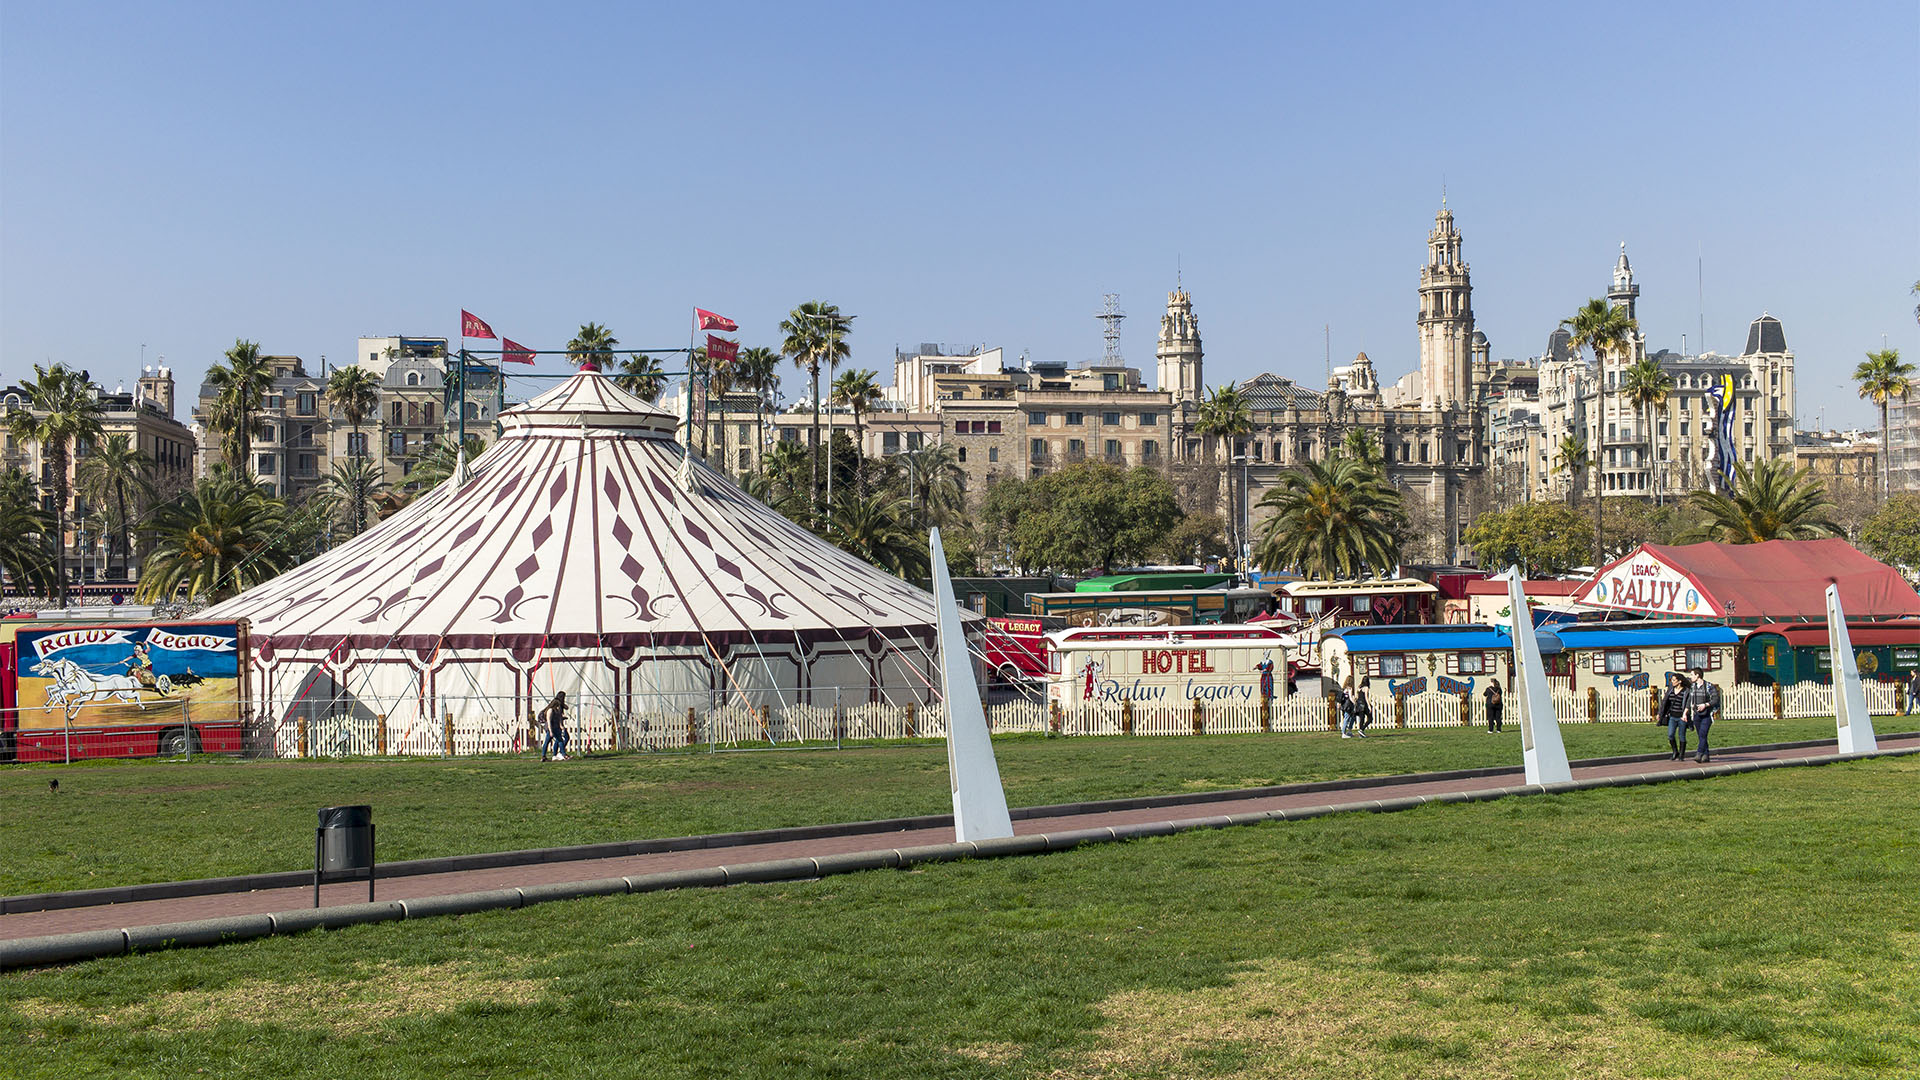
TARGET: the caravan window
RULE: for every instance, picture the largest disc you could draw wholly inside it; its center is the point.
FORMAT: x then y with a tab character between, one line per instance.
1473	663
1393	665
1618	662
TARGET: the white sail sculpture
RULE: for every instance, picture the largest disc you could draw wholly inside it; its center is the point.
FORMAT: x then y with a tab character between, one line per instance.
571	556
979	799
1852	722
1543	753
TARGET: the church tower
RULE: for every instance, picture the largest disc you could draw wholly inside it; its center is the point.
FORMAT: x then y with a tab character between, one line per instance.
1446	317
1179	350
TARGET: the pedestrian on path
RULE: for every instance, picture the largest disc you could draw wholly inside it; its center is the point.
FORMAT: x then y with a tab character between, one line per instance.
1343	700
1363	707
554	719
1673	712
1496	705
1703	706
1913	689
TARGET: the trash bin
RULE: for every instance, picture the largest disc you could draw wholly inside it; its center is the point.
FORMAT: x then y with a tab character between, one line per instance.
343	847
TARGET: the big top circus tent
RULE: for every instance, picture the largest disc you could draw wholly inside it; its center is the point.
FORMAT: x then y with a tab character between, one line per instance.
585	552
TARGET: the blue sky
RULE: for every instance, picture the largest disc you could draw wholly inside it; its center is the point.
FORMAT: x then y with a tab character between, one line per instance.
183	175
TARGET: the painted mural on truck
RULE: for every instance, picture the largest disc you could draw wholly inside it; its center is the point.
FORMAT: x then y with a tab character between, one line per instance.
109	674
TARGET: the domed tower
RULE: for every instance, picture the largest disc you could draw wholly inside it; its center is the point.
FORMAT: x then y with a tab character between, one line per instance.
1179	350
1446	317
1623	292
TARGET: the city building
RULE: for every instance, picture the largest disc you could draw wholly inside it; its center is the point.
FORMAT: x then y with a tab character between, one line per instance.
290	435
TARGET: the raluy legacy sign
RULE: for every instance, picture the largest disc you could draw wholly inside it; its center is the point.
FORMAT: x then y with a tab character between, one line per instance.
1644	583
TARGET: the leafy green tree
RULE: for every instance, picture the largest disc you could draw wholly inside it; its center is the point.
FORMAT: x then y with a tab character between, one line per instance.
1195	538
816	334
240	383
934	484
62	415
1892	535
1646	385
26	535
353	489
873	527
759	367
1770	500
220	537
1883	376
1333	520
1634	521
113	471
1604	330
592	347
1541	538
1084	516
642	376
857	390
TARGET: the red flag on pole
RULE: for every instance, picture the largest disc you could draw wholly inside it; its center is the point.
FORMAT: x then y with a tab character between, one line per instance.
512	352
473	326
720	350
707	320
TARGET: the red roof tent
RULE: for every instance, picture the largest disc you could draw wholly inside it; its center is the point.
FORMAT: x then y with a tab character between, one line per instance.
1750	583
1544	587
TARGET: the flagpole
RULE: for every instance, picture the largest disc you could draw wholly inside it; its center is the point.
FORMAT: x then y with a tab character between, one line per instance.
460	444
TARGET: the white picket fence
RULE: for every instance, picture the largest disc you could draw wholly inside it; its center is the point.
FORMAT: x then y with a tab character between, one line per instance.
349	735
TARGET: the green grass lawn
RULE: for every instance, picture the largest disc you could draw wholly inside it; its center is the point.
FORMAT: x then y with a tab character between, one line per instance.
127	823
1758	926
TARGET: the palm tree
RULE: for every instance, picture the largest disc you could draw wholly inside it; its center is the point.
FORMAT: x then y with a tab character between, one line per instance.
114	468
1358	445
815	332
240	383
1604	329
437	463
1571	458
62	415
759	367
858	392
1883	376
641	376
872	527
782	481
935	485
1333	519
1770	500
355	391
218	538
1646	385
1226	415
592	347
25	534
353	489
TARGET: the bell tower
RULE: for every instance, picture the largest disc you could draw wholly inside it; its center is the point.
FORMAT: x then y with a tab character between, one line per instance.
1179	350
1446	317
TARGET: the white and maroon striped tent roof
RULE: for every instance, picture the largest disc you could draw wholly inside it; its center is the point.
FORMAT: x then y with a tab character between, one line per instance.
578	529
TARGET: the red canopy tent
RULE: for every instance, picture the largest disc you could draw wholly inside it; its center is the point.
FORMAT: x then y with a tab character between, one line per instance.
1780	580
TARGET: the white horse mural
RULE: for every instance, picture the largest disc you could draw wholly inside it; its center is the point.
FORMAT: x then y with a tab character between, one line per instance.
75	686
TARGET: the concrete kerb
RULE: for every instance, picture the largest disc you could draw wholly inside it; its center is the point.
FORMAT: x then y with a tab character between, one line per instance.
66	948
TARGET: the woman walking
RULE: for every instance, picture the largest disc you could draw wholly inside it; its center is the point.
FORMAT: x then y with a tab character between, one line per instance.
554	719
1673	710
1496	706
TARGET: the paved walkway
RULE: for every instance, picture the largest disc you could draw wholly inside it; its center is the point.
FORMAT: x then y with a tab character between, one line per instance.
153	912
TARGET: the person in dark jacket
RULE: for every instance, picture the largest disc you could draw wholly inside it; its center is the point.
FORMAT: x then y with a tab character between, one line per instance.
1363	708
1673	712
1496	705
1703	708
554	719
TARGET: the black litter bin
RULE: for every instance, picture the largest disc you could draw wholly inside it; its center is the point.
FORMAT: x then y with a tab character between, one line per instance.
343	847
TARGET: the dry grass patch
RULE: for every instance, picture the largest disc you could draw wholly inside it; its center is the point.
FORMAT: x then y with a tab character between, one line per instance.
376	994
1344	1016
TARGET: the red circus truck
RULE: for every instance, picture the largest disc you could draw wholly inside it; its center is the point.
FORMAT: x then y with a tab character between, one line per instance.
112	688
1016	646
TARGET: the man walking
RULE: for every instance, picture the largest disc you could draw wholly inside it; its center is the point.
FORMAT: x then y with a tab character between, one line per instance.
1673	712
1703	705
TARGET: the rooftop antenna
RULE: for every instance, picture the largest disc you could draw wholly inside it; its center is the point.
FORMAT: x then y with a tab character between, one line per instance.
1112	316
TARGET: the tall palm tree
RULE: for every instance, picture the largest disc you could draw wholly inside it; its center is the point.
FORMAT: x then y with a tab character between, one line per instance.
352	490
26	533
641	376
935	485
816	333
759	367
115	468
1770	500
857	390
239	383
355	391
1603	329
1883	376
1571	458
62	415
1646	385
1227	416
218	538
1333	519
592	347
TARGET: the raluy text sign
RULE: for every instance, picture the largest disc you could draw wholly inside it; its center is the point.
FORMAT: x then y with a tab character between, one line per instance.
1644	583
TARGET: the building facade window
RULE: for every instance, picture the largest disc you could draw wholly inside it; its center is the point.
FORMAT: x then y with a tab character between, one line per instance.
1148	419
397	443
1149	448
357	443
303	402
1111	419
1113	448
1075	419
266	465
993	453
1036	448
1037	419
